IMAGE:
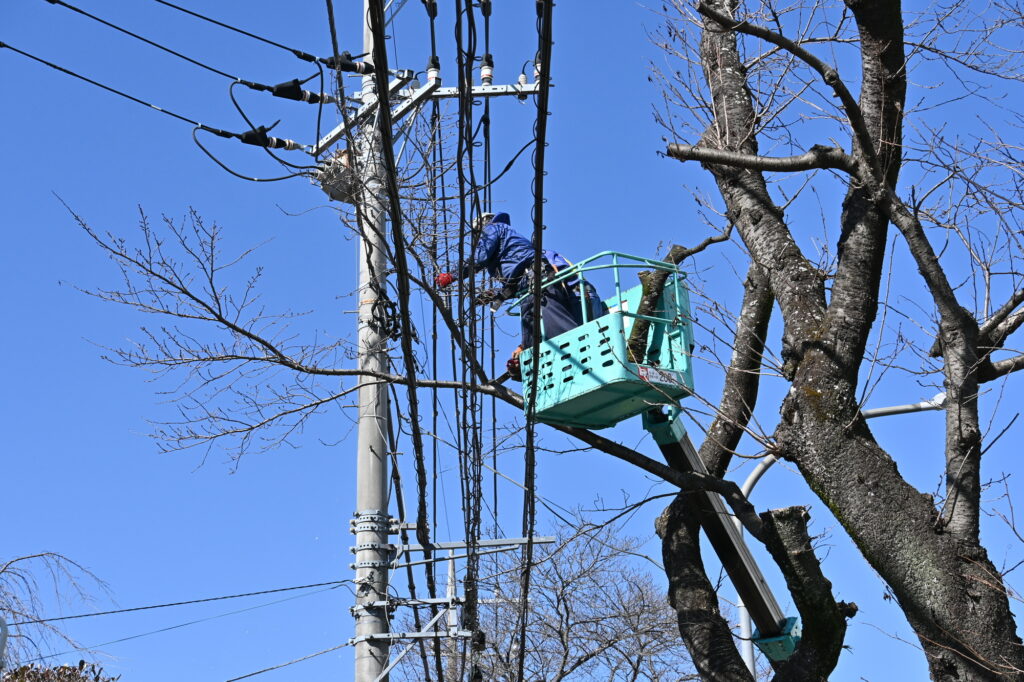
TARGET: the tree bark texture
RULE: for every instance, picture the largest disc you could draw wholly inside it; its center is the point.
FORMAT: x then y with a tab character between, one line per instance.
941	576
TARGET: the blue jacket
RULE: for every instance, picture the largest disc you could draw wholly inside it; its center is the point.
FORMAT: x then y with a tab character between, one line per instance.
501	251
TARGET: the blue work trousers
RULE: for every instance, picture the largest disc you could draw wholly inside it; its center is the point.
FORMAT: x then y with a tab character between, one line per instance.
560	311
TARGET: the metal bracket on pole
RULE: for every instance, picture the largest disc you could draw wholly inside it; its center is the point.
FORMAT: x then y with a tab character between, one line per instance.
477	91
402	79
415	98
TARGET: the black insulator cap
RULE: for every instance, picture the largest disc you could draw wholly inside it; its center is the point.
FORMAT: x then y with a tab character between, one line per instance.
256	136
347	64
487	60
289	90
431	7
434	62
485	7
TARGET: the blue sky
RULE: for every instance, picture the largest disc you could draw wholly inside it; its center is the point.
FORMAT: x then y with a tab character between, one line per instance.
83	478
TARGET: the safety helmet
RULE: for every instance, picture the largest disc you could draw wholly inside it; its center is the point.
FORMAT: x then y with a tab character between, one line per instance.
482	221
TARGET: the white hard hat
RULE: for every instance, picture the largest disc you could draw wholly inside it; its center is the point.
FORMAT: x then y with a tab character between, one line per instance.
482	221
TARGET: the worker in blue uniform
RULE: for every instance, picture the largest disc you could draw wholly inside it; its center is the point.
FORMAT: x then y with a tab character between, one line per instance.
507	256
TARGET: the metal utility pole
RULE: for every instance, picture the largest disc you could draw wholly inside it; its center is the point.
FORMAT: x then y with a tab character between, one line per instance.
372	520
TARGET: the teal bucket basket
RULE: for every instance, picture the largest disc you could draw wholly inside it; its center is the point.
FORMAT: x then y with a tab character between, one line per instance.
585	378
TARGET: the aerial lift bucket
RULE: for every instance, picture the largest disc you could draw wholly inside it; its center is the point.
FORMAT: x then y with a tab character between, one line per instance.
585	376
586	379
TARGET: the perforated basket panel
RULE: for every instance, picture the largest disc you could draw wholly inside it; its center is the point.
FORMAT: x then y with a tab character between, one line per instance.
585	380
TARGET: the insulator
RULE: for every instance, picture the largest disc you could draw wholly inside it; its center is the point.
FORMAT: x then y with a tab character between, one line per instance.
433	68
259	138
487	70
293	90
345	63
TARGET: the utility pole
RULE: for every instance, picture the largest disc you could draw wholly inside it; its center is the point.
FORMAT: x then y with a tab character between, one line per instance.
375	556
372	520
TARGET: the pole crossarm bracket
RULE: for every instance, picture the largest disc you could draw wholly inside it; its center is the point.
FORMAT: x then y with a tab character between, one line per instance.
499	542
397	636
414	97
521	90
402	79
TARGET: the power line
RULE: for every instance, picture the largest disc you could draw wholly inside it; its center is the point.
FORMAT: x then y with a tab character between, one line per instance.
181	625
304	56
144	103
181	603
284	665
342	62
257	137
544	10
287	90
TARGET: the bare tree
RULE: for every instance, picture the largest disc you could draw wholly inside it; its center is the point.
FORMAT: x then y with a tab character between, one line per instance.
593	615
24	581
765	75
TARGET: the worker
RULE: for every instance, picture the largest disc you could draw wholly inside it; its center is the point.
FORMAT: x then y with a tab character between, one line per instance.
507	256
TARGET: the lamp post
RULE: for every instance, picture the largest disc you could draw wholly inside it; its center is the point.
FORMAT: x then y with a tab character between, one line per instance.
938	402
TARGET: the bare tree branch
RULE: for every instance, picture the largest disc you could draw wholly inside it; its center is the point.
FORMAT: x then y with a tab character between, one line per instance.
818	156
828	74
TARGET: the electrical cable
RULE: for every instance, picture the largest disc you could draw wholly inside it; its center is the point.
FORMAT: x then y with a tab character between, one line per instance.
304	56
544	8
181	603
252	126
257	137
471	450
436	179
181	625
144	103
292	662
287	90
376	10
396	479
233	172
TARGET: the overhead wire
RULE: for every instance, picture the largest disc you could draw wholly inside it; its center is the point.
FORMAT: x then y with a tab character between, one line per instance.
396	479
384	125
180	603
108	88
181	625
256	137
485	10
280	90
471	452
232	171
544	8
292	662
304	56
436	179
248	121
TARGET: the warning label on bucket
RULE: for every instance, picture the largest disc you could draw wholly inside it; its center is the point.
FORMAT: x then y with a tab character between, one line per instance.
658	376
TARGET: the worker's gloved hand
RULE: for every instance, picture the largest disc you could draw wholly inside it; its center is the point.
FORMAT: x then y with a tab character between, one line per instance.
515	370
488	296
443	280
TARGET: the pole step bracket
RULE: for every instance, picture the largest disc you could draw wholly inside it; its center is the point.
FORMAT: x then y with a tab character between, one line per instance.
780	647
